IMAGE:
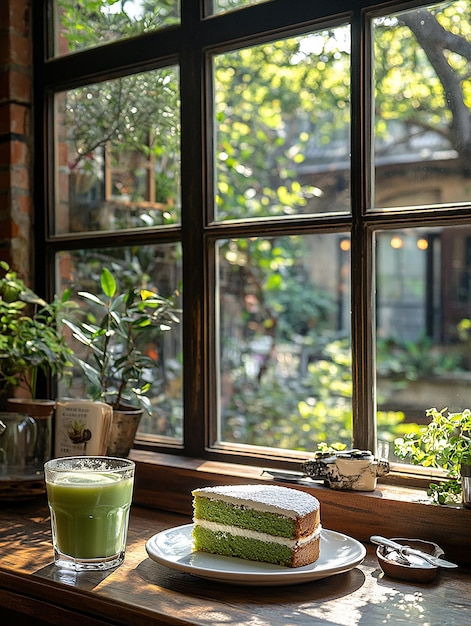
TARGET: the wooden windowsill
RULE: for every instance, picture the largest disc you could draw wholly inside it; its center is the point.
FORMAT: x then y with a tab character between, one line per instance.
141	592
165	481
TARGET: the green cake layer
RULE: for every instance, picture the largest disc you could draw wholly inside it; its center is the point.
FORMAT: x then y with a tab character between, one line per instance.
242	547
225	513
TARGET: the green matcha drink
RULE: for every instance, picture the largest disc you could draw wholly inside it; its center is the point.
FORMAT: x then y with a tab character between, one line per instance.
89	499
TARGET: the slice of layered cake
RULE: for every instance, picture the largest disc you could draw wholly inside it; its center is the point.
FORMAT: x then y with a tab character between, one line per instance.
257	522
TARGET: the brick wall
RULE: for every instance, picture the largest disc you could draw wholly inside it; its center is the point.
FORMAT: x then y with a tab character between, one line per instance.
16	135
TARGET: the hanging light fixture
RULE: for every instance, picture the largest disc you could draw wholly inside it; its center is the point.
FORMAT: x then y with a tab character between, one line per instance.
422	243
396	242
344	245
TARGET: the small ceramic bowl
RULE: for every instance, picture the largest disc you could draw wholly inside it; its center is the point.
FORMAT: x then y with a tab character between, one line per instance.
416	570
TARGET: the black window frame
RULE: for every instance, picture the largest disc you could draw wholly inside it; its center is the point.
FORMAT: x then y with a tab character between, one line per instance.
191	44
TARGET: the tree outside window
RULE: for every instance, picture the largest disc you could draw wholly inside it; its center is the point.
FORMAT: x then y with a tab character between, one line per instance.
281	202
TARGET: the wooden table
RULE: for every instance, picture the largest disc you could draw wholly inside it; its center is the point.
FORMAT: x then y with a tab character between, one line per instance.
143	593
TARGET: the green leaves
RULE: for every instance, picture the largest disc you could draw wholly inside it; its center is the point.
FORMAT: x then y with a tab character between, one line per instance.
108	283
30	336
119	330
445	443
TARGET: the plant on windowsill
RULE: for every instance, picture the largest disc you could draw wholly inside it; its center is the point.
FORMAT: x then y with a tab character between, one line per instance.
31	343
114	331
444	443
30	337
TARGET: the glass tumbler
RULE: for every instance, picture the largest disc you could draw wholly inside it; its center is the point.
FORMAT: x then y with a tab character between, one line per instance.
89	498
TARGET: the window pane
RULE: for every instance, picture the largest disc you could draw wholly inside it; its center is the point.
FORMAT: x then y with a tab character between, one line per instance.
422	106
423	325
118	154
284	332
142	267
81	25
221	6
283	127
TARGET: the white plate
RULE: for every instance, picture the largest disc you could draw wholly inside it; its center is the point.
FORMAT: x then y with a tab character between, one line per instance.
173	548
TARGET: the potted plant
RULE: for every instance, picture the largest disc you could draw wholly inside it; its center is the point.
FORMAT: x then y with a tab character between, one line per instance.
30	338
31	342
444	443
115	331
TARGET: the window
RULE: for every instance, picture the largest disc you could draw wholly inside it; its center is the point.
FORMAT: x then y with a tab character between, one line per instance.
304	172
82	25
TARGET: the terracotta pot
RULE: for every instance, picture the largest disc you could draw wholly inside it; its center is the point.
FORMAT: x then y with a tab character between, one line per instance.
36	408
123	430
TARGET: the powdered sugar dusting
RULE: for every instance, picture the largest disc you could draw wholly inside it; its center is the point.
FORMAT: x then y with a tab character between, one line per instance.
282	500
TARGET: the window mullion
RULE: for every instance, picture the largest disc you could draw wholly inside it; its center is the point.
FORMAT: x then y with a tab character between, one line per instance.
362	253
195	317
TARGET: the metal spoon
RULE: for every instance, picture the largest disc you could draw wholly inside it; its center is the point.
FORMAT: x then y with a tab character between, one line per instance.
405	550
398	557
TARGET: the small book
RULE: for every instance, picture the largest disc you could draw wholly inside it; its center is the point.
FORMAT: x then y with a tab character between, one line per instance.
82	428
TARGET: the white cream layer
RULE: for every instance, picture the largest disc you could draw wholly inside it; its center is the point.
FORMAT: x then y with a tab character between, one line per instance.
251	534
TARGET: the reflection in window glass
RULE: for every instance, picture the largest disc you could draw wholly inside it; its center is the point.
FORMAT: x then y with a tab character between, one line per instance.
422	106
118	154
221	6
423	309
89	23
284	334
143	267
283	127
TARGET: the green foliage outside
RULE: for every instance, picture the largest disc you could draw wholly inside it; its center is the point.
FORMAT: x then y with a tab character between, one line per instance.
404	361
303	412
268	107
93	22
